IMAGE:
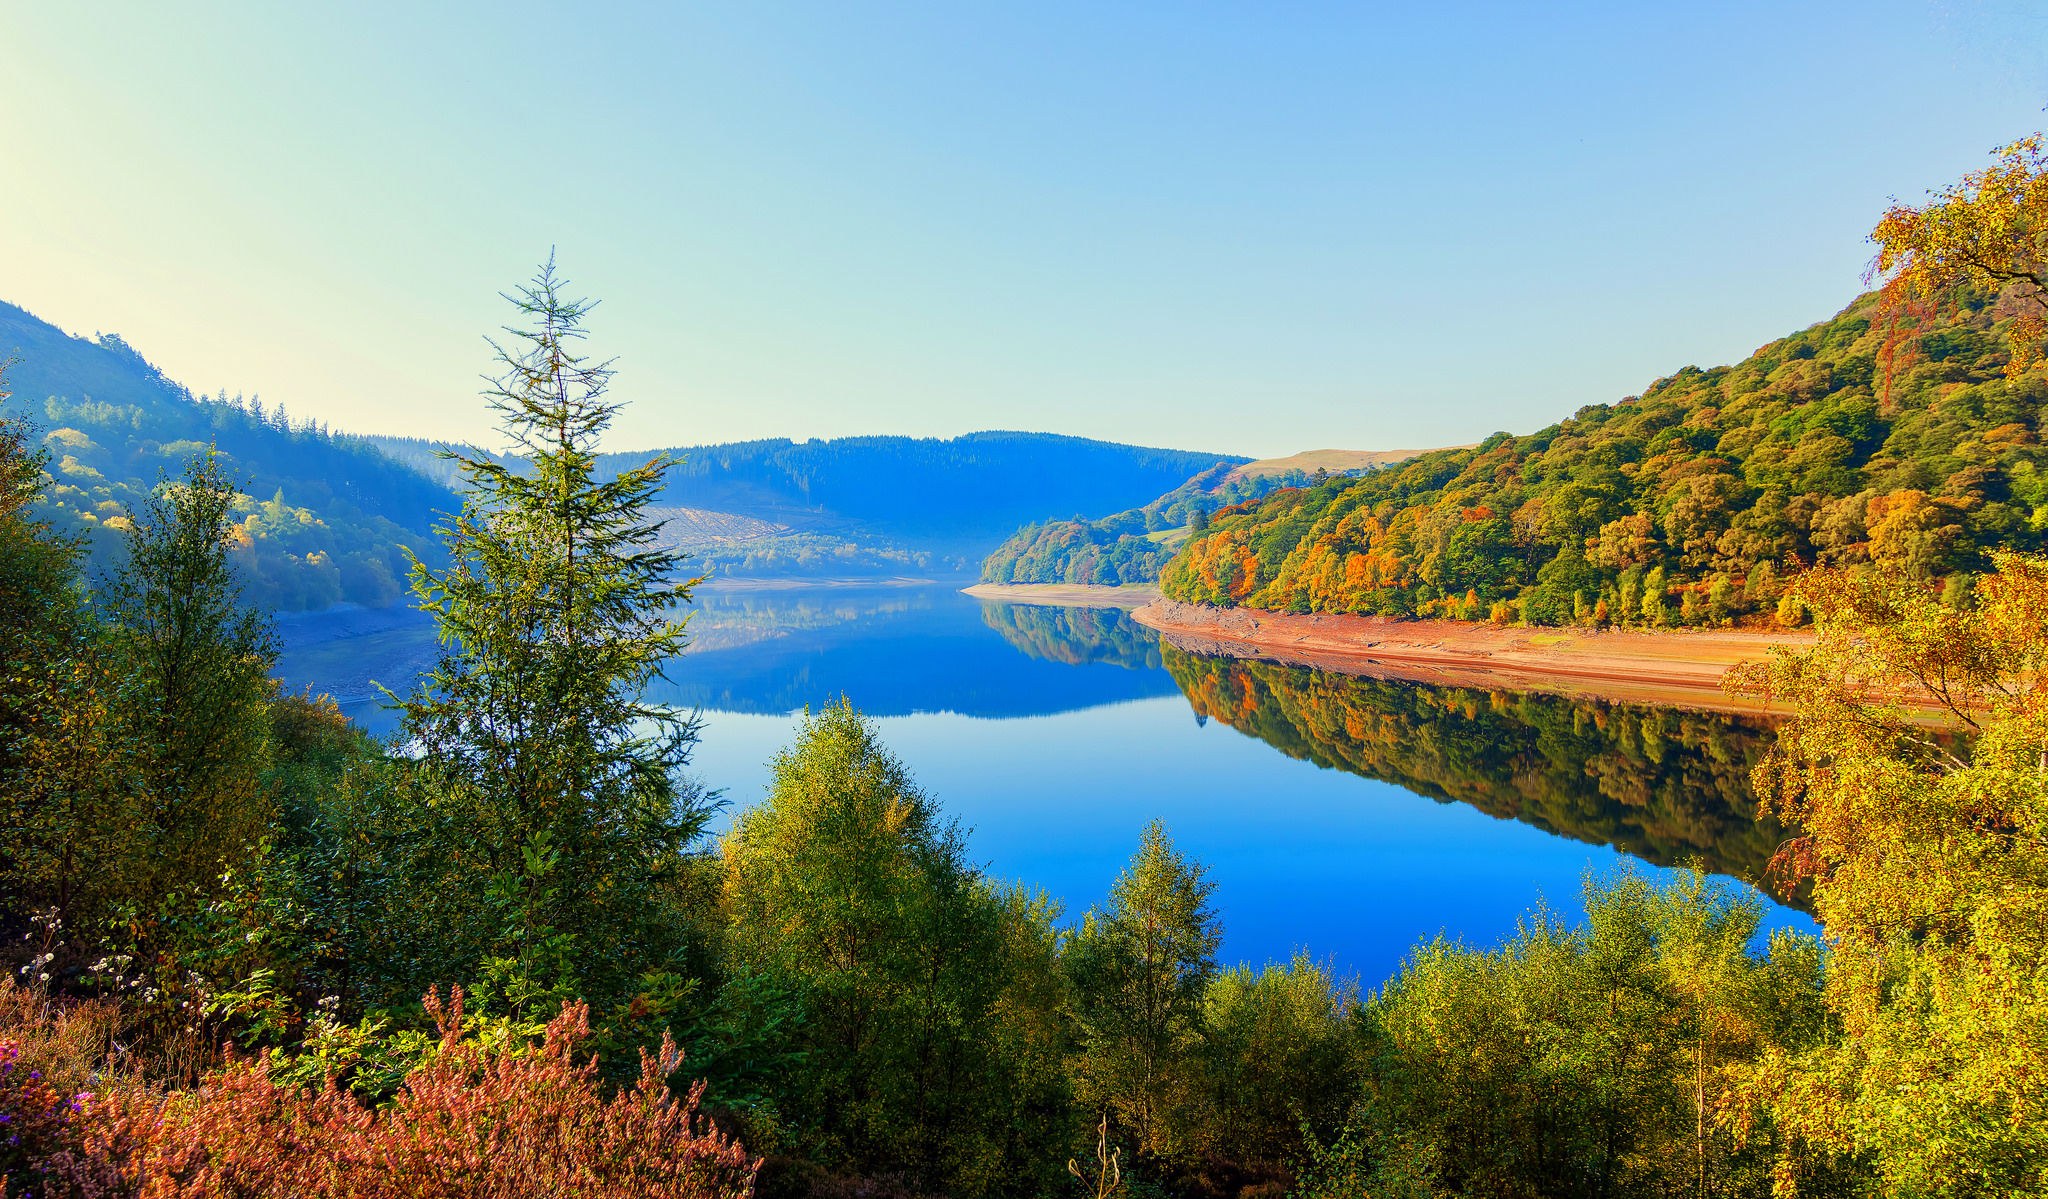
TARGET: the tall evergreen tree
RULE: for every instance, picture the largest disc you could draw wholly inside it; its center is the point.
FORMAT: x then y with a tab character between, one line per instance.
532	742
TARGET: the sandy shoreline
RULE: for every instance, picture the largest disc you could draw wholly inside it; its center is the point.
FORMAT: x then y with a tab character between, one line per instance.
1068	595
1682	668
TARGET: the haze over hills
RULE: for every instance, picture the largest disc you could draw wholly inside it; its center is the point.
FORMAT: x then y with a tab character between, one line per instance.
882	504
329	517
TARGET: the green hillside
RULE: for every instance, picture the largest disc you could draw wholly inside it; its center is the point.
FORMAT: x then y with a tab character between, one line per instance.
324	517
1689	504
1130	547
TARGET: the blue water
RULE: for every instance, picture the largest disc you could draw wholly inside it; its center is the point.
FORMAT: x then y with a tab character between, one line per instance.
1055	735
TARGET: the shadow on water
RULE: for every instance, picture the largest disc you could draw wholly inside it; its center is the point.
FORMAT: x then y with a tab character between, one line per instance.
1662	785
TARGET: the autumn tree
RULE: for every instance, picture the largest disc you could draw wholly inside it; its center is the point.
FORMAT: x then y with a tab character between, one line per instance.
55	687
1989	228
1915	767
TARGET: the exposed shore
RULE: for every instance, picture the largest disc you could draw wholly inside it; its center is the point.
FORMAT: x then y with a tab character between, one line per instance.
1069	595
1681	668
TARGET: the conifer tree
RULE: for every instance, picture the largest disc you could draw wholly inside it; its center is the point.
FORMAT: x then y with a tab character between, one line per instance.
548	775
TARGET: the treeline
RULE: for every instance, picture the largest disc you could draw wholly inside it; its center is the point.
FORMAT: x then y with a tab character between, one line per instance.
1662	785
1132	546
820	555
320	517
1847	444
972	486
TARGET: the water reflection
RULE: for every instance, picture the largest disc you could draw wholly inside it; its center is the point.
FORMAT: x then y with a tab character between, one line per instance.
903	650
1662	785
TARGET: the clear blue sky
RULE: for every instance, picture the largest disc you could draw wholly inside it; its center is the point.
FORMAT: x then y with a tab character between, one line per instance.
1251	228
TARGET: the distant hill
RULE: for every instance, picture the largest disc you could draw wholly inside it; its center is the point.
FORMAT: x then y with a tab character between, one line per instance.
882	505
1134	545
1687	504
1336	462
325	517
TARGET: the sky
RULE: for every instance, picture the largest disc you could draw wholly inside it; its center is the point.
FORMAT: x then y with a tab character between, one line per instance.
1251	229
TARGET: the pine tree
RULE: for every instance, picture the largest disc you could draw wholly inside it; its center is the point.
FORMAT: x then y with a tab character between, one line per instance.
547	774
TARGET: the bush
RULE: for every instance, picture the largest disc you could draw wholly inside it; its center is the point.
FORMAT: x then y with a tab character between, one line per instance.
479	1120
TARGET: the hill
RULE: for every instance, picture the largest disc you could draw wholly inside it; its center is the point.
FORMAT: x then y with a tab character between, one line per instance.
1687	504
325	517
881	505
1336	462
1134	545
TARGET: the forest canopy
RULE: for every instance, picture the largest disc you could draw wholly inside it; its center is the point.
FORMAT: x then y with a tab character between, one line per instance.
318	517
1688	504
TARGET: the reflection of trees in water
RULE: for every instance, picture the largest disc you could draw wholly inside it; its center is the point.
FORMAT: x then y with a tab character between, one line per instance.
1076	636
1662	785
812	608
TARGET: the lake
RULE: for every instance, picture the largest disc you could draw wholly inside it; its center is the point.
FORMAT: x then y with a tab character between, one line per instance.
1346	817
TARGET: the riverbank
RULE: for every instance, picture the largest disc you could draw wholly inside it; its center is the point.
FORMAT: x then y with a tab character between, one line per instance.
1068	595
1682	668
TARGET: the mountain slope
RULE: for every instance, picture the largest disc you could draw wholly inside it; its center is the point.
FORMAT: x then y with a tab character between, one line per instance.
325	517
1133	546
1687	504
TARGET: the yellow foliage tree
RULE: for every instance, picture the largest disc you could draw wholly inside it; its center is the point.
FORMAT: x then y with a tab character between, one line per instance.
1918	767
1989	228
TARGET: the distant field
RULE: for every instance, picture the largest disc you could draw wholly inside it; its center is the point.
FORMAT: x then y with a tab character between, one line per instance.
1334	461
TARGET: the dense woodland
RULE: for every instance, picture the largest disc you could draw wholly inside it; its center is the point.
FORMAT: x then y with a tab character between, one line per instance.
253	952
1841	445
1132	546
319	517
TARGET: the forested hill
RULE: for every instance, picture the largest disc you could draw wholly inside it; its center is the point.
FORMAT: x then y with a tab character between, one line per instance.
1688	504
974	485
326	517
1131	546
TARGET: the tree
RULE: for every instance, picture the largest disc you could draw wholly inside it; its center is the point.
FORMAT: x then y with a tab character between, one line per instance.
1989	228
1914	766
54	715
194	703
927	1041
547	778
1140	969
